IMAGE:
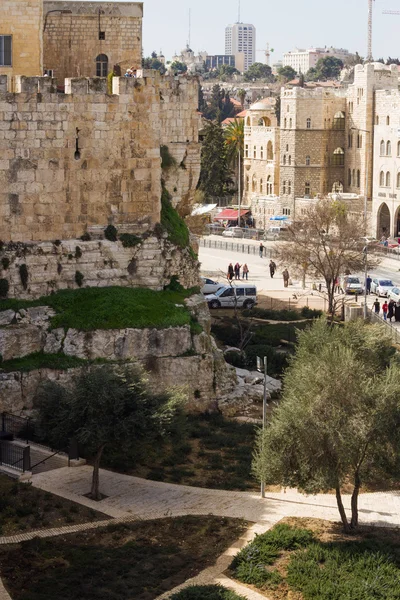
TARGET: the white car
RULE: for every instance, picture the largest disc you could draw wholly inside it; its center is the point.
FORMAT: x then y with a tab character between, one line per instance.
381	287
394	294
233	232
209	286
243	295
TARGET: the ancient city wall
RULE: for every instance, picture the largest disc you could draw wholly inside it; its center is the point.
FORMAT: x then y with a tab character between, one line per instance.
88	158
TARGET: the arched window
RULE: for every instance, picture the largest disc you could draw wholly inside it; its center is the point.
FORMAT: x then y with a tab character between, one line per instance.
261	186
358	178
289	189
349	178
284	159
388	149
246	151
269	185
353	177
377	120
101	65
247	183
359	141
254	184
381	178
307	188
264	122
255	152
309	123
262	152
388	179
338	120
382	148
398	180
284	187
290	160
285	123
308	161
290	123
270	151
398	148
338	157
287	108
388	120
350	140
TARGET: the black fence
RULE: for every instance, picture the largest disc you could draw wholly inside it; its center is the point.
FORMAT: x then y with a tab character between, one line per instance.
15	457
22	428
250	249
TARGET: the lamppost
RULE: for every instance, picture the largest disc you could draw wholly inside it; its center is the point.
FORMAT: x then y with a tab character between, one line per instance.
365	250
62	11
262	366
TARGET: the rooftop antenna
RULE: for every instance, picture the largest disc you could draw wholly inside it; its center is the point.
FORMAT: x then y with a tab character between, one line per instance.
369	52
239	12
190	25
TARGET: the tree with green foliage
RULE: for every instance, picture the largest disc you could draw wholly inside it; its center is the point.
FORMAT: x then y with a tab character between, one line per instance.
105	406
214	178
178	67
339	417
242	96
326	68
154	62
259	71
286	74
278	109
234	142
220	106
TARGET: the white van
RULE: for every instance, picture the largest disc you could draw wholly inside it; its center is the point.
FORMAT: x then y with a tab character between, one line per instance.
242	295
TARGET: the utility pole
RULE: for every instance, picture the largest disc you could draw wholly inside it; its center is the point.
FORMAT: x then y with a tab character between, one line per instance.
369	51
262	366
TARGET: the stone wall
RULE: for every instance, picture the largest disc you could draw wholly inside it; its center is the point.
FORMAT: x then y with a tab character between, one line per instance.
23	20
73	41
87	158
53	266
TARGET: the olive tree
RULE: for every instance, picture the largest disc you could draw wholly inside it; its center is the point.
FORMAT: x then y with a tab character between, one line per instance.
104	406
339	418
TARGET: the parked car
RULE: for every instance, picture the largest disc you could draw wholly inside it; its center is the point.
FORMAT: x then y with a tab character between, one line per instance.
394	294
243	295
381	287
352	285
209	286
233	232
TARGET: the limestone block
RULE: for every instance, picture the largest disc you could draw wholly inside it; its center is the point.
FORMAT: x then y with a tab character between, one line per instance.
74	343
17	341
40	315
54	340
199	308
6	317
202	343
10	392
143	343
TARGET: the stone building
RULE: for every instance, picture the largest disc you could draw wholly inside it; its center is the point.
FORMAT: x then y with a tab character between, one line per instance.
87	39
21	24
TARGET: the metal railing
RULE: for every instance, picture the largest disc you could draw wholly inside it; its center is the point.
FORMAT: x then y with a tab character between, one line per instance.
249	249
22	428
247	234
390	329
15	457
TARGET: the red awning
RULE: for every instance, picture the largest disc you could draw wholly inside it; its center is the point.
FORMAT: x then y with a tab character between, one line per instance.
230	214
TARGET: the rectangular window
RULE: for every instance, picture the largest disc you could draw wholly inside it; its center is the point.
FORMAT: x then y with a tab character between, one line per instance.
5	50
102	35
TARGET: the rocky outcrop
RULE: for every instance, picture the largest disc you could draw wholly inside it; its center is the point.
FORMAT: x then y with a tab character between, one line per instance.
249	391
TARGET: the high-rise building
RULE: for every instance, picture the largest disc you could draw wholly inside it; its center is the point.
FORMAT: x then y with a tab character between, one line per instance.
240	40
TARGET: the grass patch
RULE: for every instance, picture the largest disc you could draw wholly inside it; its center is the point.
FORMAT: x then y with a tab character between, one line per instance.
283	315
136	560
172	222
112	308
205	451
24	508
321	563
206	592
39	360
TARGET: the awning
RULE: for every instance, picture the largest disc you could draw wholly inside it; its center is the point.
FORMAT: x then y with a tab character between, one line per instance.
202	209
278	218
230	214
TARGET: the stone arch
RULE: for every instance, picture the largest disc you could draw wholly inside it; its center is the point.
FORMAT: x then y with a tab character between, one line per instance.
383	221
264	122
396	231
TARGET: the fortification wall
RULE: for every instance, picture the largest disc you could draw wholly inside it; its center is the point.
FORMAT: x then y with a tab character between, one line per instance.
88	158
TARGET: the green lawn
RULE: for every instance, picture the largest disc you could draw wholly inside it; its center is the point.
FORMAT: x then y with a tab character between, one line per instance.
137	561
23	508
322	563
88	309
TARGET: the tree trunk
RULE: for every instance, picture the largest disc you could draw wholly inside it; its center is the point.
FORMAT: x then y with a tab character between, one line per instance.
94	492
354	501
342	512
330	286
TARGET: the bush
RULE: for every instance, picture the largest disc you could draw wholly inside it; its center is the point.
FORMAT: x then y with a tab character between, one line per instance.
111	233
174	285
4	288
236	359
23	273
5	261
311	313
78	252
79	278
86	237
257	574
276	361
167	160
129	240
206	592
172	222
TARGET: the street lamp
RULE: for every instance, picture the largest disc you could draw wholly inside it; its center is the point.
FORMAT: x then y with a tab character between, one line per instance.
262	367
62	11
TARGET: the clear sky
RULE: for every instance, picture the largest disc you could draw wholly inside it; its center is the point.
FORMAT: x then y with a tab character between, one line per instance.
283	23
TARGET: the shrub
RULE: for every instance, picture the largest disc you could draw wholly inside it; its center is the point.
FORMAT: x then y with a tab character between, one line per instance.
236	359
86	237
174	285
23	273
167	160
79	278
78	252
276	361
110	233
129	240
5	261
57	243
311	313
4	287
172	222
206	592
257	574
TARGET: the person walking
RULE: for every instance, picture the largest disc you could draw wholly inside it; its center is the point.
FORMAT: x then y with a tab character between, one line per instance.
397	311
272	268
391	309
385	309
245	272
286	278
261	249
237	270
377	306
368	284
230	272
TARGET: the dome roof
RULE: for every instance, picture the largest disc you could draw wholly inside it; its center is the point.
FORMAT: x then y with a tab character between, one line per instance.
263	104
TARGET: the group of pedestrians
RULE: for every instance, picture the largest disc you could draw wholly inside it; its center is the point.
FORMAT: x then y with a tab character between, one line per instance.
389	309
234	271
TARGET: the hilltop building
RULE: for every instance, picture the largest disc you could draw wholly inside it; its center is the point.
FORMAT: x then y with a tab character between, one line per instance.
240	41
303	59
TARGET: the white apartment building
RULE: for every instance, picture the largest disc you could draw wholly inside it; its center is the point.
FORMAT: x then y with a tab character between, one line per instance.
240	40
301	60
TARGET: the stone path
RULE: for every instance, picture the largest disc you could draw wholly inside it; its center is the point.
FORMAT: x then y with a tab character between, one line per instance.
131	498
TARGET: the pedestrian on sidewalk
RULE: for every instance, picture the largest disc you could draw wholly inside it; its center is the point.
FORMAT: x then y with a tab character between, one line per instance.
377	306
286	278
397	311
261	249
385	309
245	271
237	270
391	309
272	268
368	284
230	272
